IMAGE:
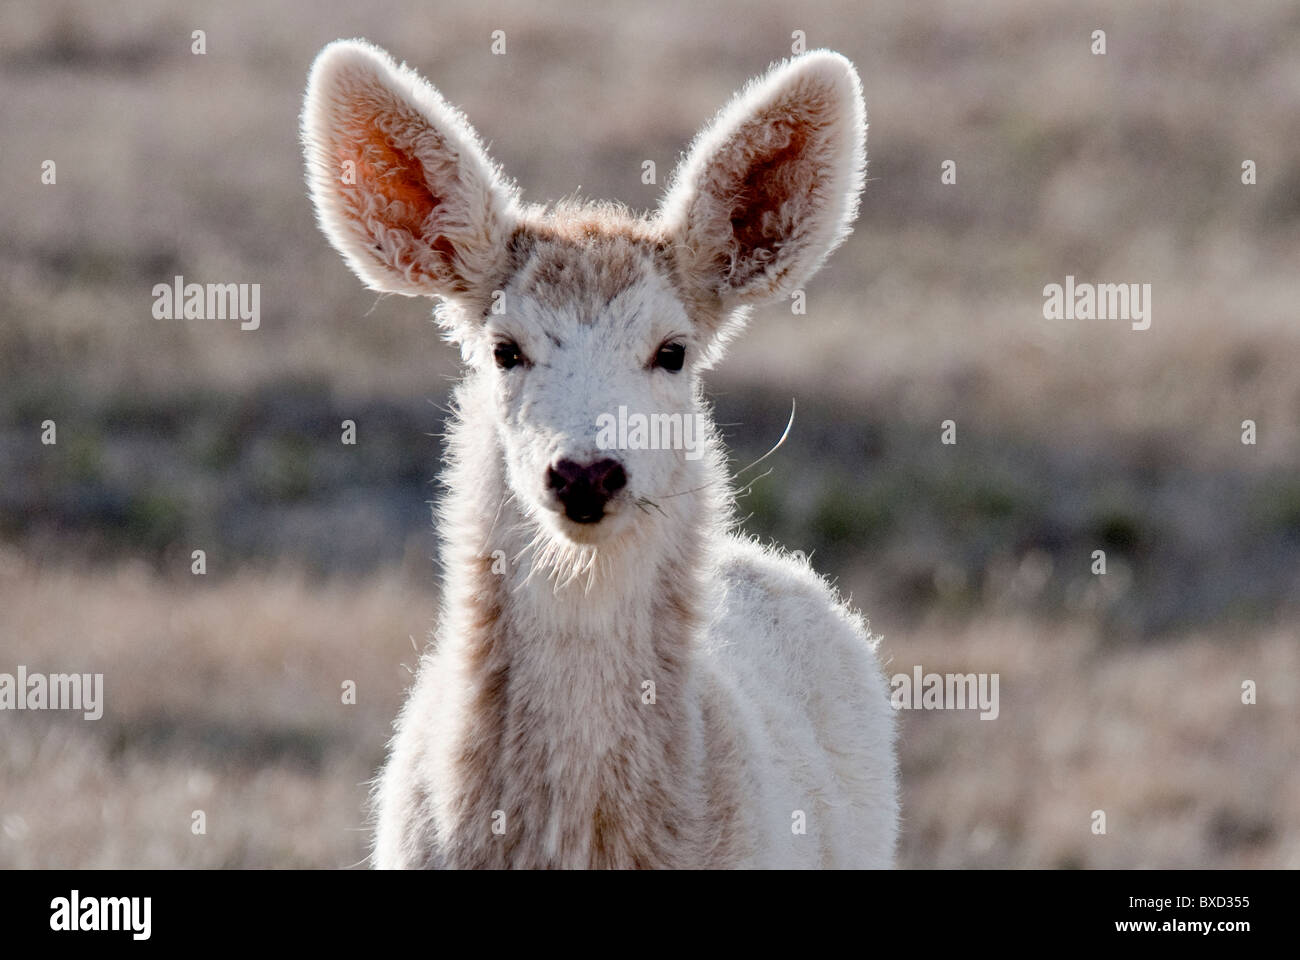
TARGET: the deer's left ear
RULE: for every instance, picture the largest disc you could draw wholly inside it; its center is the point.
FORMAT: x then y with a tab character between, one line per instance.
771	187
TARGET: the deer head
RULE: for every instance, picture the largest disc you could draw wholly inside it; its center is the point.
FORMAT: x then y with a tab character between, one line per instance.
577	315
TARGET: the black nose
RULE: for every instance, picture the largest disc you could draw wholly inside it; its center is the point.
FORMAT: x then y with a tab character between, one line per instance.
584	489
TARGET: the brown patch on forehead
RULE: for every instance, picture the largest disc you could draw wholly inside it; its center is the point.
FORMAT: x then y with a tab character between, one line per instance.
582	256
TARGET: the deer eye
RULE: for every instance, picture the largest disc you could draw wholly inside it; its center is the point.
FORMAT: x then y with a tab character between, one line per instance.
671	356
508	355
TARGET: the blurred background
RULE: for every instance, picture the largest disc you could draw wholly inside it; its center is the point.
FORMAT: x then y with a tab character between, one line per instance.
1119	692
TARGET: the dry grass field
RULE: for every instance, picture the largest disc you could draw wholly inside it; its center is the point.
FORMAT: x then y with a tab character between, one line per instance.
1119	693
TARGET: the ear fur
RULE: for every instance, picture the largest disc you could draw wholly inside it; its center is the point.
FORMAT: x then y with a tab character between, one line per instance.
771	186
427	213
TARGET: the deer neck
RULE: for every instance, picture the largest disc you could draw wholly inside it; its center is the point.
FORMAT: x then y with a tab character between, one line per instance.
577	709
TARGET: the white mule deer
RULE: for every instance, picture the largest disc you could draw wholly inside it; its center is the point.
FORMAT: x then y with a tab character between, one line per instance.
616	679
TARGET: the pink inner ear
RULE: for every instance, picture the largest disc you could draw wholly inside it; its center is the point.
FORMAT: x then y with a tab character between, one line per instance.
393	174
394	178
769	193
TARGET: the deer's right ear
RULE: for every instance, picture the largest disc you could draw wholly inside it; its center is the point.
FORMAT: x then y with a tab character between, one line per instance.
403	189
